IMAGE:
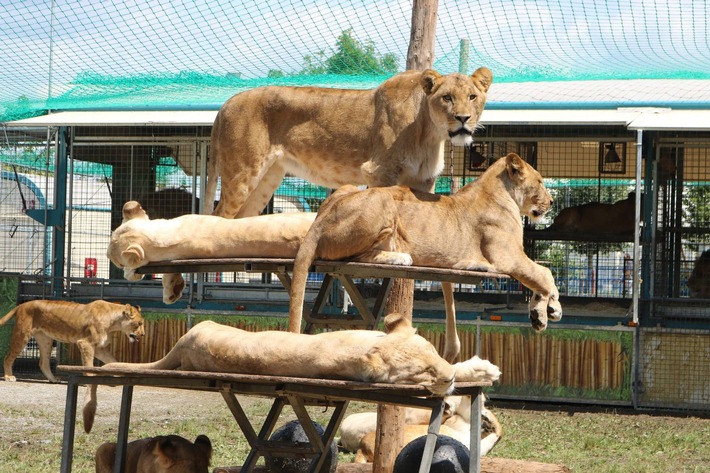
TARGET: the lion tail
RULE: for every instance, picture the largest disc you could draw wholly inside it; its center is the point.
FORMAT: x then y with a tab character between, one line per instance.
88	413
304	258
168	362
8	316
211	181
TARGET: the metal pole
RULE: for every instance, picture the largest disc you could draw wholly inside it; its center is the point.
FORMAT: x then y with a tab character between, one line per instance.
637	230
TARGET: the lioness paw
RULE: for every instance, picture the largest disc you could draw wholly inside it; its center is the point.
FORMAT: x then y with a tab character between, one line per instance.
538	312
10	378
130	274
476	370
554	310
173	285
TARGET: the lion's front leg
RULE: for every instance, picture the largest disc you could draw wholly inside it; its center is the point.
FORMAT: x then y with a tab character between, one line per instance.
103	354
173	285
544	304
87	351
452	342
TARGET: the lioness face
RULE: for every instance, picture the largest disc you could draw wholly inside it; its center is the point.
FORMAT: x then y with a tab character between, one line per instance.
456	101
132	324
530	193
413	360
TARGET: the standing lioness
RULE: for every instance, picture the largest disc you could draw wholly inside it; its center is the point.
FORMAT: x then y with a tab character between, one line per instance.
87	325
393	134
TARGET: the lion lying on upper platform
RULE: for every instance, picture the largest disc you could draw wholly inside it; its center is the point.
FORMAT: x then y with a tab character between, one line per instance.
478	228
139	240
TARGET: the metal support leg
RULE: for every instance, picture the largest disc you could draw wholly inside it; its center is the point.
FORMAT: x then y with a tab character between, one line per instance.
437	414
69	425
475	440
124	420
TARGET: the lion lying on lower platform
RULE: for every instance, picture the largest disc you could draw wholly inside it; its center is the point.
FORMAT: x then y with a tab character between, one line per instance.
479	228
139	240
399	356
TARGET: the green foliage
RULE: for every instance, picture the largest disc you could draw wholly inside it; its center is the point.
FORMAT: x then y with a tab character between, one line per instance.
351	57
8	298
275	73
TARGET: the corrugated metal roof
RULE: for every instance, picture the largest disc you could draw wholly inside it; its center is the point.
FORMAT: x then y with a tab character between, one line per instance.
123	117
635	119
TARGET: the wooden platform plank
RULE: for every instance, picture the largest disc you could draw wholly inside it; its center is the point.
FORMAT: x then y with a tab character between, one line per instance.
350	268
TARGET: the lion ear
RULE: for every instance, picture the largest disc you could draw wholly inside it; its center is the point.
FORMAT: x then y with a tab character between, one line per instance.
428	80
397	322
128	311
483	78
515	166
133	256
203	443
133	209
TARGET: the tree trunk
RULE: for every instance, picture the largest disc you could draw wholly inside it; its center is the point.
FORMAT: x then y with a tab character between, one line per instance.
390	425
420	54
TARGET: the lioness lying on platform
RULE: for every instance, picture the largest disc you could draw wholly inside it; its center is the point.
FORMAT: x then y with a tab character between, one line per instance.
139	240
699	280
358	431
398	356
162	454
478	228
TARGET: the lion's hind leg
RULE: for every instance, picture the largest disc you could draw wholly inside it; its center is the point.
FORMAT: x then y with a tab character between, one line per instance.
44	343
386	257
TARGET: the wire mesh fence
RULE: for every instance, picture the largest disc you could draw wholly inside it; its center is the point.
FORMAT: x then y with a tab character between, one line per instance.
163	168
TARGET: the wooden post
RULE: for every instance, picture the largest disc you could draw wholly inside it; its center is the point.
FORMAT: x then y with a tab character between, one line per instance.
420	54
390	425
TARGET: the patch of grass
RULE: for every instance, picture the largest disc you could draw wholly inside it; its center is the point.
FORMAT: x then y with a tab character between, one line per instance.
587	439
604	440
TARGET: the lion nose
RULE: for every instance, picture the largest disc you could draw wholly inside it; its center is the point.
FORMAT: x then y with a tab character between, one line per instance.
463	118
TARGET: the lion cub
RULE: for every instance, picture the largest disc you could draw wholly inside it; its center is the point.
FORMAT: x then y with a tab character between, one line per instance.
162	454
